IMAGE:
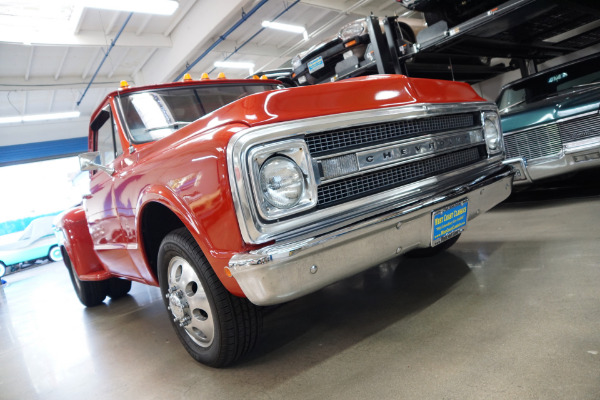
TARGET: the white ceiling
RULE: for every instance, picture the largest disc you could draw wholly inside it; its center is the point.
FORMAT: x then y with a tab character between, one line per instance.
46	64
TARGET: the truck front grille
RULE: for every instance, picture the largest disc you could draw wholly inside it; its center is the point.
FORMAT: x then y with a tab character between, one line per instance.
350	138
374	182
534	143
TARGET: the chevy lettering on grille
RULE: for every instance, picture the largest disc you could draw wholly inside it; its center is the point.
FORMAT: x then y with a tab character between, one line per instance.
374	158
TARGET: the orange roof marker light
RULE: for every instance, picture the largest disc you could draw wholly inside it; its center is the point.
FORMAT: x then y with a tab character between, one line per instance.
124	85
255	77
264	77
187	78
204	77
221	75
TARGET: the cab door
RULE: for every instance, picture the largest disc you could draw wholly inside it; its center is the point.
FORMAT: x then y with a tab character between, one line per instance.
108	236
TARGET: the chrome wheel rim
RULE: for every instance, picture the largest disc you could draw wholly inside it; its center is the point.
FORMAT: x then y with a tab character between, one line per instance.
188	302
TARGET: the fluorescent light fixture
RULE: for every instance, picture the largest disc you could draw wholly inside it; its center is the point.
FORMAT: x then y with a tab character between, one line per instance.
39	117
286	27
159	7
236	65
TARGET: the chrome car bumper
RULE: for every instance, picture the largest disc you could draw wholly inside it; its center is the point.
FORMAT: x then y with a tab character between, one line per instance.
285	271
575	156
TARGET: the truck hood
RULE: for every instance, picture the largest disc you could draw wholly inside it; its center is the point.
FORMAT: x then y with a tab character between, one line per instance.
551	109
364	93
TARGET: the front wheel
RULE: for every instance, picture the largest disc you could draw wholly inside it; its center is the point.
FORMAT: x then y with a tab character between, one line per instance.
215	327
90	293
2	269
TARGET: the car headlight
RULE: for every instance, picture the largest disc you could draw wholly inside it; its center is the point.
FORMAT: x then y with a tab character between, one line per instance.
492	132
353	29
281	182
296	62
284	179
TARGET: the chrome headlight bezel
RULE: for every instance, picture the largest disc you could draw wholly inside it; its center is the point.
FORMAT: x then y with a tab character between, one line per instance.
492	132
296	151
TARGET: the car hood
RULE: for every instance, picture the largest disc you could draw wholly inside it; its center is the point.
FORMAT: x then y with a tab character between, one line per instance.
364	93
551	109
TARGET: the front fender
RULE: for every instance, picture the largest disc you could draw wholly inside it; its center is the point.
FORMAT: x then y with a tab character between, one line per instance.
196	224
77	242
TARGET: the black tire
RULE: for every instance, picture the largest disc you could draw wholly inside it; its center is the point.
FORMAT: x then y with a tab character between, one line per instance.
90	293
54	254
2	269
432	251
118	288
214	326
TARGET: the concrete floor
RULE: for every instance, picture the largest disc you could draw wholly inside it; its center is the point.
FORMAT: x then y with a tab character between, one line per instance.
511	312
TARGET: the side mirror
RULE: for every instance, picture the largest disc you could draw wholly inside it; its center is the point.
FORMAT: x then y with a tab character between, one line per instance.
91	162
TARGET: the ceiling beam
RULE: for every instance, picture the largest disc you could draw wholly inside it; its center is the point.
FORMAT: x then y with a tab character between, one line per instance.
144	61
62	63
30	63
112	23
118	63
180	14
143	25
52	101
79	15
25	96
92	62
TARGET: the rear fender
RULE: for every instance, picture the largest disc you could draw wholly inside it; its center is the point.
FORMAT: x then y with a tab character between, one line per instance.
77	242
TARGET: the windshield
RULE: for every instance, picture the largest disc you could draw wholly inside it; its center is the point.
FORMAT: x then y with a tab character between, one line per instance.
153	115
551	83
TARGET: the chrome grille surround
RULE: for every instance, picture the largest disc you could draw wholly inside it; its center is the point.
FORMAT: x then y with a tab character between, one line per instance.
403	192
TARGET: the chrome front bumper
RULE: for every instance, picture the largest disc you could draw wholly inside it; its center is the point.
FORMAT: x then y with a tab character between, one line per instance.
285	271
575	156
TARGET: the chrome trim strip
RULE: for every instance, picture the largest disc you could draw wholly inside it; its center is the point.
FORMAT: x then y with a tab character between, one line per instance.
256	231
401	153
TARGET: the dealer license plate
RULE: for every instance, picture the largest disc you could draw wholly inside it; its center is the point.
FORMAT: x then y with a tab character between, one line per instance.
449	221
316	64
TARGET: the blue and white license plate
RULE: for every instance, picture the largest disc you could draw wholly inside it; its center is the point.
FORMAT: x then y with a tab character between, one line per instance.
315	64
449	221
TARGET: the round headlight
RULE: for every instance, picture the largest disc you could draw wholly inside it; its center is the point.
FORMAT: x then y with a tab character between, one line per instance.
353	30
492	136
296	62
281	182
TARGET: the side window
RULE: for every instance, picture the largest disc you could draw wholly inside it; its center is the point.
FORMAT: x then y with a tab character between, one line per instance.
104	136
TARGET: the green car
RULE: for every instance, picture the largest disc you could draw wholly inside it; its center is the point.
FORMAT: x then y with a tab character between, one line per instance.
36	242
550	121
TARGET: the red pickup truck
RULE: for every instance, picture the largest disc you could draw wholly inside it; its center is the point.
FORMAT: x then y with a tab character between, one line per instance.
234	194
